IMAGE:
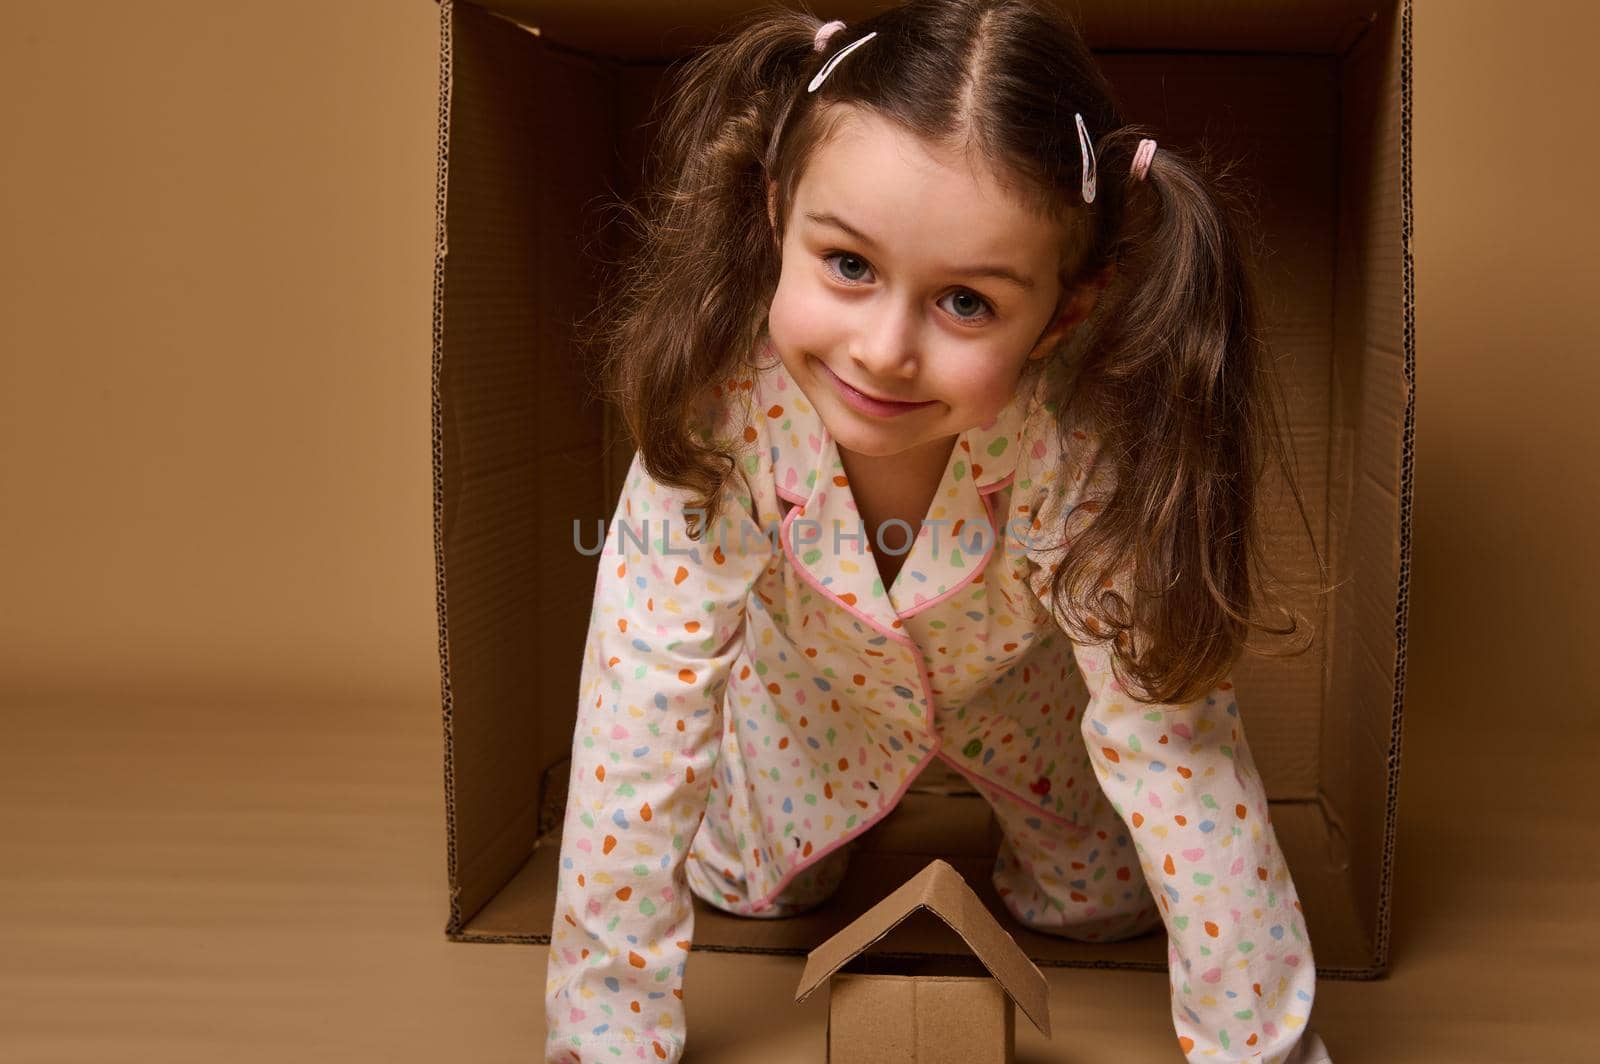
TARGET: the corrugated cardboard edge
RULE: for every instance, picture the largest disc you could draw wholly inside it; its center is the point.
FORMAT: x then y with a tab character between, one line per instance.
940	889
1380	964
441	251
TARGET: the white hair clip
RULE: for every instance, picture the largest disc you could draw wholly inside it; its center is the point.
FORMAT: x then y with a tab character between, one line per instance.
1090	170
833	60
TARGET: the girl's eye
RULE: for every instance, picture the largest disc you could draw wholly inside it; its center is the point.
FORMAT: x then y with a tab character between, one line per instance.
970	299
846	257
967	299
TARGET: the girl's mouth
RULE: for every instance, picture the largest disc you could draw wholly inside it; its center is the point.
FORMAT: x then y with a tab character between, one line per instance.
869	404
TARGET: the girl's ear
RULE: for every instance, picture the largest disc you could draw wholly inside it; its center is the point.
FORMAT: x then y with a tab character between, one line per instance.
1075	305
1087	294
1058	327
772	206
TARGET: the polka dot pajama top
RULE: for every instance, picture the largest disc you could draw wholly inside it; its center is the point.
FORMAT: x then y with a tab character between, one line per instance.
763	681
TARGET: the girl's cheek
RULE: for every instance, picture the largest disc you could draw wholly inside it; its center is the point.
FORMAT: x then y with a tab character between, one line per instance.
986	391
795	318
779	316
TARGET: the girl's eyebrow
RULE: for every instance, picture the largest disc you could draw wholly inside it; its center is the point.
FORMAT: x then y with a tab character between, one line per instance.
1000	272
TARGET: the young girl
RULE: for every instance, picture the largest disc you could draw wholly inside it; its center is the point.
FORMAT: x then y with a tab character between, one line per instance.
949	397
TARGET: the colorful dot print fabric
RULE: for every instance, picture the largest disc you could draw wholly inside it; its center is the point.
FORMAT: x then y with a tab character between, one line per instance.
752	701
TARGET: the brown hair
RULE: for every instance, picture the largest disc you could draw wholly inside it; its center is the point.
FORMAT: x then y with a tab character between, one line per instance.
1170	367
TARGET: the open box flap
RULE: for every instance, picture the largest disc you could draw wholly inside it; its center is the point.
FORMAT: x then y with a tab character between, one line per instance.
646	31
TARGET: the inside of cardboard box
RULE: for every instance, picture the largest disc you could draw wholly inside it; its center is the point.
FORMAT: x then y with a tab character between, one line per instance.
545	126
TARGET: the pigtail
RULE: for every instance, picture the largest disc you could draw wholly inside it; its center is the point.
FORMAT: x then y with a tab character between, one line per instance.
1173	374
687	308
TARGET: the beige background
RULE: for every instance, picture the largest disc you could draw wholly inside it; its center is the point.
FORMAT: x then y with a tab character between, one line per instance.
223	827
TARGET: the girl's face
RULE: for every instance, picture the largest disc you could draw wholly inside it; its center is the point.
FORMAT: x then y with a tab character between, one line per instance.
912	290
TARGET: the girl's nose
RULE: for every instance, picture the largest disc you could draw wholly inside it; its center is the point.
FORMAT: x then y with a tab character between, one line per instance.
887	348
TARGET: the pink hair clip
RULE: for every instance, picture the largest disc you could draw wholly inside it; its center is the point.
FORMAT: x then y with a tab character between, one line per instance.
827	30
1141	159
825	34
1091	172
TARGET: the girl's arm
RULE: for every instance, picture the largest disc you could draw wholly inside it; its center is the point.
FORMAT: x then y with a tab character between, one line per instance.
1182	778
664	630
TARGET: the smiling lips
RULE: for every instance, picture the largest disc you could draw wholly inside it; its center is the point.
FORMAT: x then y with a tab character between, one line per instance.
868	404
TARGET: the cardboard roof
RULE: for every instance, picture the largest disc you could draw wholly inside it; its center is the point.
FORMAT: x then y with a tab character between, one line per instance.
940	889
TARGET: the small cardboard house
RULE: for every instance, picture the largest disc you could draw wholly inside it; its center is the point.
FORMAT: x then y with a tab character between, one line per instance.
887	1008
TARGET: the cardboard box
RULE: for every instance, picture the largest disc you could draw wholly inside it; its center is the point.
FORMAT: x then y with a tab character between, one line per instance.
540	109
884	1007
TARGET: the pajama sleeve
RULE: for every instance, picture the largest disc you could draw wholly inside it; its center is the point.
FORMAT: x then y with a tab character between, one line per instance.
666	625
1182	779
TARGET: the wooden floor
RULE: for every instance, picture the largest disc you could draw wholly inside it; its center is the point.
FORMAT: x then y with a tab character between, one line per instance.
266	882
